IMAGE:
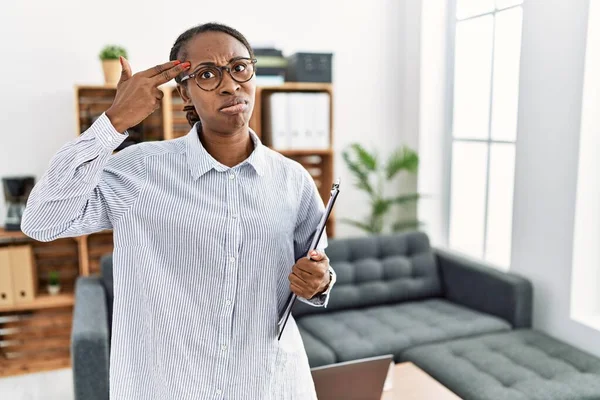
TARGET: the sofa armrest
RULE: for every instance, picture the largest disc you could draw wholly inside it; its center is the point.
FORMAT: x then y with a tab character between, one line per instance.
482	288
90	340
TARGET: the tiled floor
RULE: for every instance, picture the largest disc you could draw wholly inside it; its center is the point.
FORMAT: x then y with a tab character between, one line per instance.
53	385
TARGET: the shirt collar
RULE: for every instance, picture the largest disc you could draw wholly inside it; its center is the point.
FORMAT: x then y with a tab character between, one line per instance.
200	161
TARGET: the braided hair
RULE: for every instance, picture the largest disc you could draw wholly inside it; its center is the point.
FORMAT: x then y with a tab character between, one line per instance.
179	52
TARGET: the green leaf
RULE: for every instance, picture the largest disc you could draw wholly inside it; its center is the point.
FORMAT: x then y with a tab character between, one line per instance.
361	175
112	52
403	159
406	198
406	225
381	206
367	160
377	224
53	278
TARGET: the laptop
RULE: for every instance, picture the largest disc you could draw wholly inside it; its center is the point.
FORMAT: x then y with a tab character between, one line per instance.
361	379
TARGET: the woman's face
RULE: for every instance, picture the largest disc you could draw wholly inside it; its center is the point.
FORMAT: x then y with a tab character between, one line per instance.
214	107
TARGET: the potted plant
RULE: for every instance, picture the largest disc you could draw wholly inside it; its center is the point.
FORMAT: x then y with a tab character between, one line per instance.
110	63
374	177
53	283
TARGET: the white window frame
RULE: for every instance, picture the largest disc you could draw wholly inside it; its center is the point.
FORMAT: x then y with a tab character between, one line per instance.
450	139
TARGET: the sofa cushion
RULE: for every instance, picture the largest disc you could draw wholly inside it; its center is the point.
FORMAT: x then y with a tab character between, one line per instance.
354	334
518	365
379	270
318	353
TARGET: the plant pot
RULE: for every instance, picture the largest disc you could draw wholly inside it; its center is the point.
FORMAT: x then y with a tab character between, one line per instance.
112	71
53	289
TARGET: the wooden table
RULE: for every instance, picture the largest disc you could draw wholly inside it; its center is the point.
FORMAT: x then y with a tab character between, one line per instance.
412	383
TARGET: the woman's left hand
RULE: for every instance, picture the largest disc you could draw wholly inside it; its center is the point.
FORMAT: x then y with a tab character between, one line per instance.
310	277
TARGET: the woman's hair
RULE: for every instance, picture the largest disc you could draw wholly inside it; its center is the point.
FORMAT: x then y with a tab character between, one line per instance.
179	52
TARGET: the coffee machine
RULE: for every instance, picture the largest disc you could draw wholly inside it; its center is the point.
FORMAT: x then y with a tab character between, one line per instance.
16	192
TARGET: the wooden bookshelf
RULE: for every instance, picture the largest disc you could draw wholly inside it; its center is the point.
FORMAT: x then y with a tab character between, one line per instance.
297	153
36	340
11	236
35	335
43	301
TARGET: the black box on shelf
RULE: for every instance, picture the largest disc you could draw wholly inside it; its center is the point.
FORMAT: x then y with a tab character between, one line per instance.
309	67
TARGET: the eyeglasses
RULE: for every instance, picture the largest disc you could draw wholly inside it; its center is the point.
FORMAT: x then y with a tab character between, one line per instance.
209	77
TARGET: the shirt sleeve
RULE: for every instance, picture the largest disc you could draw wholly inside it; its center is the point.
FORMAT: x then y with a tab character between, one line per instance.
309	214
85	188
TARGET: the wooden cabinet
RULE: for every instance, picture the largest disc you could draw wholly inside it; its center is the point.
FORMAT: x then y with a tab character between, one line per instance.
35	327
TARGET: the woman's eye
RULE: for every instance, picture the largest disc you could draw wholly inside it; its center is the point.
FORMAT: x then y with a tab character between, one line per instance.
207	75
239	67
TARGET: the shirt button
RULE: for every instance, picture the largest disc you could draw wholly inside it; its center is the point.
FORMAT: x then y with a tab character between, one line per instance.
228	303
231	259
224	347
231	176
234	216
219	392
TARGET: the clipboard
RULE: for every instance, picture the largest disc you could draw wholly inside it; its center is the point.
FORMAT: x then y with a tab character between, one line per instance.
335	190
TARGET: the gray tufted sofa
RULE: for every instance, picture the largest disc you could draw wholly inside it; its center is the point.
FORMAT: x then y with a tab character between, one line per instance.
518	365
465	324
395	292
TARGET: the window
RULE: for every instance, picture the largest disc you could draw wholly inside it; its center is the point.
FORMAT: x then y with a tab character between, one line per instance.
484	103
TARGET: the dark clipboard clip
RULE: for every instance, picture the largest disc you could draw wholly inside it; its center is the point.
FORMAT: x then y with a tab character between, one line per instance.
335	190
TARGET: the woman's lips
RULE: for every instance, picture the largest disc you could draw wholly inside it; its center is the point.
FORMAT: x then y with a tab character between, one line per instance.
236	109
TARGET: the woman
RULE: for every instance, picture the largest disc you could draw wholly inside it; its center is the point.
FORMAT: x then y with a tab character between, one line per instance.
211	231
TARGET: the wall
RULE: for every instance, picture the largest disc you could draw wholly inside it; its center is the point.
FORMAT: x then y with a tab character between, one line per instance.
552	70
53	45
585	285
434	142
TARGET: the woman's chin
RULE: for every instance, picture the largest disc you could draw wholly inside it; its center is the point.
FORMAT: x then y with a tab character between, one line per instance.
237	121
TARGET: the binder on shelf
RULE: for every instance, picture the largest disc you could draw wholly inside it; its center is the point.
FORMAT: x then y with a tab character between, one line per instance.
321	120
6	289
24	277
278	120
309	121
307	108
296	120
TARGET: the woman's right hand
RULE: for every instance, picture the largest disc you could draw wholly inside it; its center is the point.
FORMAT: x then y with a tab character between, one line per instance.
138	95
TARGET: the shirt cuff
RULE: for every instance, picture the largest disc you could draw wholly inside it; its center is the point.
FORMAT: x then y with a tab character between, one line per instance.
322	299
105	133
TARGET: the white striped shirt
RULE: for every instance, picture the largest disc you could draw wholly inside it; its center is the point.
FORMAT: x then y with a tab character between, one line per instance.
202	254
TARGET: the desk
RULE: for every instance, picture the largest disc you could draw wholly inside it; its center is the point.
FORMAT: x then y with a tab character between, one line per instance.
412	383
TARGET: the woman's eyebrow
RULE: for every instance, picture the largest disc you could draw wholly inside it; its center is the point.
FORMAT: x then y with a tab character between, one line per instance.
214	64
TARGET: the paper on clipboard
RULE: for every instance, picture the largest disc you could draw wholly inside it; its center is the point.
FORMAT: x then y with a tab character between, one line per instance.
335	189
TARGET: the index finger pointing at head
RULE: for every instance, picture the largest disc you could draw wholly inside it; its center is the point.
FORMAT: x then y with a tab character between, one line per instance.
158	69
166	75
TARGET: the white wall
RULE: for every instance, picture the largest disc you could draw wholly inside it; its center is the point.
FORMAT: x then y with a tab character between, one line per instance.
50	46
433	137
585	284
552	69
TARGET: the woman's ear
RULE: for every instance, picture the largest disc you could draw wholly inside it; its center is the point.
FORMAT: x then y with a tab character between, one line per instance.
182	89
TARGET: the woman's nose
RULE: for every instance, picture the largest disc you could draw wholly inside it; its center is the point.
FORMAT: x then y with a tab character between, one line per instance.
228	85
